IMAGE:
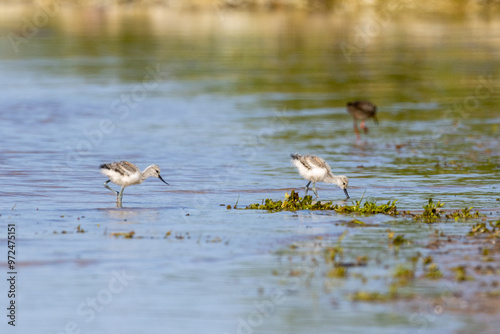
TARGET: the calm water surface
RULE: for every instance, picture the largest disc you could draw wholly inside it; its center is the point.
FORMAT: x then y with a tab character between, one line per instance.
219	101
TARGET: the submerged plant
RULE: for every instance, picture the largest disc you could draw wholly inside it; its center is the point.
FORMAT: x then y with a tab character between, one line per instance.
331	253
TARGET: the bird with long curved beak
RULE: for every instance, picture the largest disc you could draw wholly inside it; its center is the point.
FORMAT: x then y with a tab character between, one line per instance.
315	169
125	174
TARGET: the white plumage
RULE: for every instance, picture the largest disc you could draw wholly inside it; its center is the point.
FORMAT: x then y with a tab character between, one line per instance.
125	174
315	169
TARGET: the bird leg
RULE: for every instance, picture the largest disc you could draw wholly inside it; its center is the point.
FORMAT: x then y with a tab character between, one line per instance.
307	187
314	189
363	126
119	196
106	185
356	131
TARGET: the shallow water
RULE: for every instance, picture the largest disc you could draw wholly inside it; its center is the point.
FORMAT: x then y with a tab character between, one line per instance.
219	101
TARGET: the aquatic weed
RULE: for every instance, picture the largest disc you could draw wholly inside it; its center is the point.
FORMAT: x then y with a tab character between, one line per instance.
432	271
292	202
369	296
126	235
432	211
461	274
369	207
337	272
403	275
493	231
331	253
464	214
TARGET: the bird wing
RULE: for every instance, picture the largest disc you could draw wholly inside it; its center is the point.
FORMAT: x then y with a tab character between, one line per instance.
127	167
313	161
124	168
367	107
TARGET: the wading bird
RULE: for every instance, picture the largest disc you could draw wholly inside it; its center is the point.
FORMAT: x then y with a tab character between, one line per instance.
362	110
315	169
125	174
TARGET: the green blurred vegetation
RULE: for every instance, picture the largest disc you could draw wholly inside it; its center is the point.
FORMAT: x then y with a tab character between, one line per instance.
445	6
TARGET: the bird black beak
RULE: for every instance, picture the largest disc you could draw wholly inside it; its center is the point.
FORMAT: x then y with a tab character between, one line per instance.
346	193
159	176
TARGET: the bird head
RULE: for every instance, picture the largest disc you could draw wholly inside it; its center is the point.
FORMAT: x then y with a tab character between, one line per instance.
343	182
154	170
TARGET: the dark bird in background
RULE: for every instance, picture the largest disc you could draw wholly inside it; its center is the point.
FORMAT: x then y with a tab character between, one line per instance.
362	110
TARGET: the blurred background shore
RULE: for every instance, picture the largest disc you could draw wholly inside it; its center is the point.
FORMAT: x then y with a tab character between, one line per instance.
442	7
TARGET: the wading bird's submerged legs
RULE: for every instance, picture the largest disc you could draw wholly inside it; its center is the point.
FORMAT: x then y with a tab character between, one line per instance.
119	196
307	187
363	126
314	189
356	130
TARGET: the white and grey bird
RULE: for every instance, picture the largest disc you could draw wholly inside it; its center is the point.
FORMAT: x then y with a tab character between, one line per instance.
125	174
315	169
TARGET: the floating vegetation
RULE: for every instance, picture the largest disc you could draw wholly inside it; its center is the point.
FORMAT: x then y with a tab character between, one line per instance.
461	274
126	235
370	296
356	222
403	274
337	272
491	229
463	214
432	211
432	271
369	207
293	202
397	240
332	254
374	296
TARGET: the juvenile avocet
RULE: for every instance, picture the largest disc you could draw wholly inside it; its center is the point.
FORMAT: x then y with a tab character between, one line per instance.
362	110
125	174
315	169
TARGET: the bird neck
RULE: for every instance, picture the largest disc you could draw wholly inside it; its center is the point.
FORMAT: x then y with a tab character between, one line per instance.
148	172
330	178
